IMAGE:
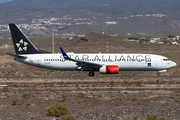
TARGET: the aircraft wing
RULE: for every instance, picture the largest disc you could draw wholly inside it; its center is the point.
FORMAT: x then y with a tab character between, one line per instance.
15	55
80	63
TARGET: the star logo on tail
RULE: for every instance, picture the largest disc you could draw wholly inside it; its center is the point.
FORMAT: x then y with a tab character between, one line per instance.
22	46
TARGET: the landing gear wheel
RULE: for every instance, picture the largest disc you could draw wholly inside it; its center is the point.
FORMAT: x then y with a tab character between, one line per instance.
158	74
91	74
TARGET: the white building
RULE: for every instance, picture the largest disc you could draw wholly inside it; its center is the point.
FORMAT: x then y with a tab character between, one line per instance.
174	43
154	40
110	23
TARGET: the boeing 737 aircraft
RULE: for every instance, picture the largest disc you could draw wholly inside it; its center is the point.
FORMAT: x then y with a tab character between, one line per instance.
28	54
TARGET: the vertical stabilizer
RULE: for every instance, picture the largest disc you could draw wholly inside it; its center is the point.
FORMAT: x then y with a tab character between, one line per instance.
21	43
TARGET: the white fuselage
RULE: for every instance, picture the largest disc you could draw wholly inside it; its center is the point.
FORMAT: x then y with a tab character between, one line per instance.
126	62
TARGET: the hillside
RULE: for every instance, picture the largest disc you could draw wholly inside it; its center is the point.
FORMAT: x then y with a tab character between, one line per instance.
97	13
56	3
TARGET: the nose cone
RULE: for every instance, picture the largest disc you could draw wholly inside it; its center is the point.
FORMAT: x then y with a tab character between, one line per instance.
170	64
173	64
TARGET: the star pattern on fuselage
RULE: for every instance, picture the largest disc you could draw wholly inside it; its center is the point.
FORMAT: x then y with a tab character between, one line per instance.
22	46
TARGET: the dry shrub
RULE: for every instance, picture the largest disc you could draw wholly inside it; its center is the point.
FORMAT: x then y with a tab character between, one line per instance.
27	94
15	101
132	117
68	117
155	117
58	110
5	89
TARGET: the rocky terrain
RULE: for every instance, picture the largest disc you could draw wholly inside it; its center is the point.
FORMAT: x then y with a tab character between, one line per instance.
97	98
103	97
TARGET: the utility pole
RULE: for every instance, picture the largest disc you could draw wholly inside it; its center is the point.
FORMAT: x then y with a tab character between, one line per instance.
107	50
53	40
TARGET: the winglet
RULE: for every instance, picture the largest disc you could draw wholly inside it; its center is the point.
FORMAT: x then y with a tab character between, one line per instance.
64	54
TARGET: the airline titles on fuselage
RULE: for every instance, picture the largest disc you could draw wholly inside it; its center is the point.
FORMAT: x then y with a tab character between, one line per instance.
105	58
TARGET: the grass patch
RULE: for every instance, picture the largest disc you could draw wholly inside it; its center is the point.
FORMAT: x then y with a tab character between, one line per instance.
27	94
132	117
155	117
138	117
68	117
5	89
158	81
15	101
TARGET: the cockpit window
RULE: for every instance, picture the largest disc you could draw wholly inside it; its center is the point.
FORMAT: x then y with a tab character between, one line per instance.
166	59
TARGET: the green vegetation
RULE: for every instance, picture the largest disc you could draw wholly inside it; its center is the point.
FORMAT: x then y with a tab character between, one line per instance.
33	117
171	36
143	41
15	101
58	110
137	117
27	94
158	81
68	117
155	117
133	38
132	117
5	89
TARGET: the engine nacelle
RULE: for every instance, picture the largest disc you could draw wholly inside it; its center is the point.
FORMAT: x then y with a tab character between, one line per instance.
109	69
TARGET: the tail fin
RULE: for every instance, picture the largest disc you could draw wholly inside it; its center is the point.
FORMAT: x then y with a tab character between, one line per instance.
22	44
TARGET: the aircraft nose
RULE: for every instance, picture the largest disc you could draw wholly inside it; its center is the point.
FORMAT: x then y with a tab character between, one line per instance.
173	64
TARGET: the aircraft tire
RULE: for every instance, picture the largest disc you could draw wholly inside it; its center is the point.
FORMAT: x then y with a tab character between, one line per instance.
91	74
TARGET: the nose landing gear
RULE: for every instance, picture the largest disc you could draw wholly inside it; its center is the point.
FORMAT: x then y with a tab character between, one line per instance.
158	74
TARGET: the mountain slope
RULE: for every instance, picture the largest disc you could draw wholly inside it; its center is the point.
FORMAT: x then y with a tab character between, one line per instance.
98	12
162	6
97	2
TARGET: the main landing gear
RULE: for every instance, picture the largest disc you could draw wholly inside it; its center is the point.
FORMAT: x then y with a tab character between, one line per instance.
91	74
158	74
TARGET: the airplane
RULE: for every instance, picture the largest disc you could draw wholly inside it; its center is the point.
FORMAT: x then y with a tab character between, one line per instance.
106	63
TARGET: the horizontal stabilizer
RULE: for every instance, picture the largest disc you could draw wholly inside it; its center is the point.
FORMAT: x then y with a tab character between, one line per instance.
15	55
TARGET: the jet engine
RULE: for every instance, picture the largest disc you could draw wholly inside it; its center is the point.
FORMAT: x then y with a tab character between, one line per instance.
109	69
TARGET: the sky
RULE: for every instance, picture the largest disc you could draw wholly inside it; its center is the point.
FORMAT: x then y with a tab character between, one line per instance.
4	1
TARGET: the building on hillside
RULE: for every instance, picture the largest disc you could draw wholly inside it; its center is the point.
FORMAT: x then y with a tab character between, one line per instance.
160	42
174	43
110	23
6	46
81	35
154	40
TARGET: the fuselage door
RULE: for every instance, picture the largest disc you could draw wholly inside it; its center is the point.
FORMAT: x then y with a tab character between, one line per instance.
147	59
38	60
156	60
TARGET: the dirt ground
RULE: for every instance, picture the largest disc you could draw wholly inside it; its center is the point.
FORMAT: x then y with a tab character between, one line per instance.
104	97
97	98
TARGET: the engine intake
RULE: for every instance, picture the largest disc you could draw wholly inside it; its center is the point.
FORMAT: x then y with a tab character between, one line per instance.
109	69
